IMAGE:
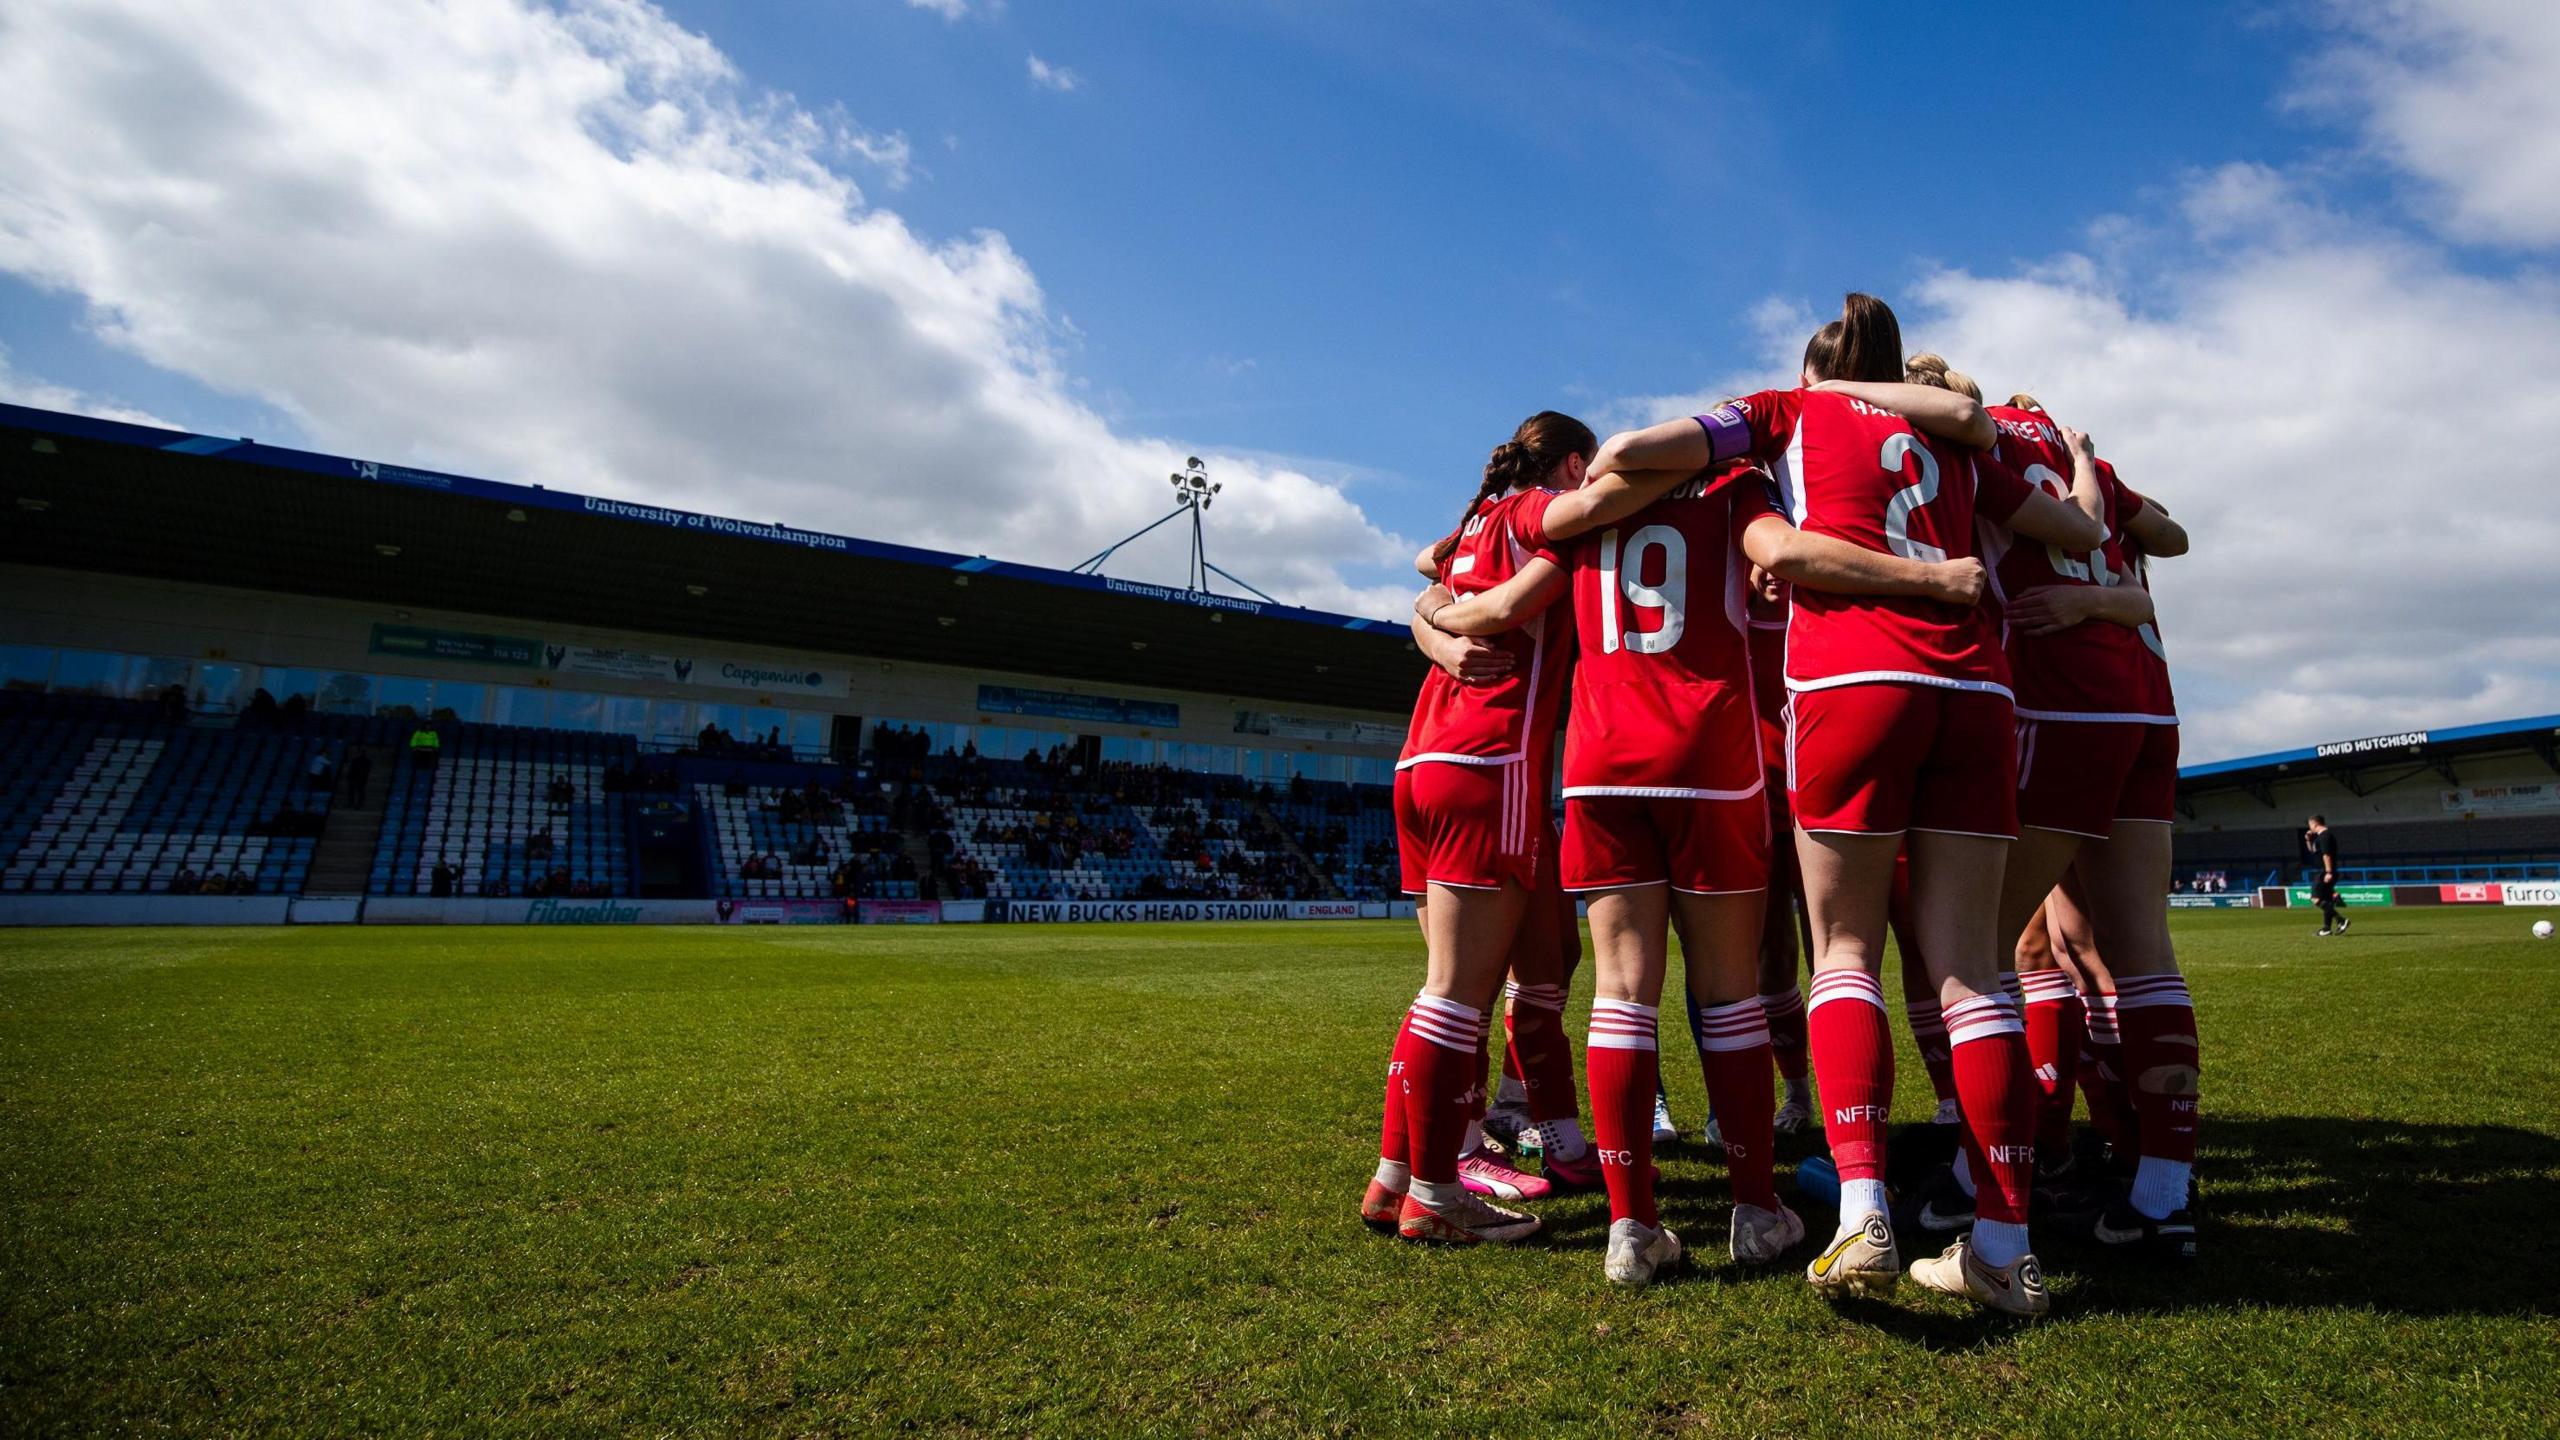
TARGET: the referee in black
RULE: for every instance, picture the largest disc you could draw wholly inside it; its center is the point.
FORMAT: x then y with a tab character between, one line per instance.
2320	852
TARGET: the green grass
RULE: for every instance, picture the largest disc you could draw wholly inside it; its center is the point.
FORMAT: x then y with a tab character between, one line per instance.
1100	1180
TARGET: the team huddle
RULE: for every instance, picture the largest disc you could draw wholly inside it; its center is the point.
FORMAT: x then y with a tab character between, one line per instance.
1861	655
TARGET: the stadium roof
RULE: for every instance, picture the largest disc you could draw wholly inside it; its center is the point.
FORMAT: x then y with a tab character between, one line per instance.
102	495
2347	761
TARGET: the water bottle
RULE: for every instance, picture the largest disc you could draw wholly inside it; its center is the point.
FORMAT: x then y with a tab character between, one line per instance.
1818	1180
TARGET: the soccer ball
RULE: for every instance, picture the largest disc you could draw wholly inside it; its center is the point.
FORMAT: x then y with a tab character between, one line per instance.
2541	929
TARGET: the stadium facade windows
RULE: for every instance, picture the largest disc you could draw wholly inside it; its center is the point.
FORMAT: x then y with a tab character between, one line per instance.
220	687
225	687
25	667
519	705
92	672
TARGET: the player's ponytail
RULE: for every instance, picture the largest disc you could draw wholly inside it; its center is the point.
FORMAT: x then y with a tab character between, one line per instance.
1531	455
1927	368
1865	343
2024	401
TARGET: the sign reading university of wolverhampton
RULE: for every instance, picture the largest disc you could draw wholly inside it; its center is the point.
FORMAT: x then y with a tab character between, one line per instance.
1109	709
774	678
420	643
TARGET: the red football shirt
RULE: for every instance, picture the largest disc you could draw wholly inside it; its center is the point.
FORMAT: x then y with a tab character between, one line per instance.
1856	473
1498	723
2159	700
1662	674
2094	670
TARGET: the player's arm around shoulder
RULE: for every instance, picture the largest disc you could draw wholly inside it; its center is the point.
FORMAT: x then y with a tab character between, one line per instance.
1819	562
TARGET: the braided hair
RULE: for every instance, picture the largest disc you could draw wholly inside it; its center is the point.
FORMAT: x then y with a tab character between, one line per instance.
1531	454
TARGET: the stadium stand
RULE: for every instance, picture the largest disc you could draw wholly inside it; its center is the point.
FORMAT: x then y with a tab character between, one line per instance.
1042	828
103	795
507	810
775	841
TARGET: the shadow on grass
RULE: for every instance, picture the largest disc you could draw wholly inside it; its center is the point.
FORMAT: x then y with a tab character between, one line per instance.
2302	1213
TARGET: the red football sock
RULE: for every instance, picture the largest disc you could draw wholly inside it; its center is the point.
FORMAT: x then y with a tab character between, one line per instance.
1395	1140
1733	1051
1618	1060
1540	1053
1929	1035
2161	1062
1785	1012
1853	1068
2053	1050
1444	1081
1998	1095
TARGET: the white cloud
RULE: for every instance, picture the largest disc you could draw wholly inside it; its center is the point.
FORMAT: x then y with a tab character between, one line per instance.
569	245
2355	431
1053	77
947	9
2463	94
2352	429
18	388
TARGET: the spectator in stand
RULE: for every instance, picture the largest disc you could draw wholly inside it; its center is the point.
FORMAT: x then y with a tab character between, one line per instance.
262	707
185	884
297	708
440	881
322	772
359	770
562	794
425	746
735	785
538	846
498	886
173	704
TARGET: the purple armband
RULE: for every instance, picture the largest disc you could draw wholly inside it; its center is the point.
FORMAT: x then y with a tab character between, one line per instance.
1728	434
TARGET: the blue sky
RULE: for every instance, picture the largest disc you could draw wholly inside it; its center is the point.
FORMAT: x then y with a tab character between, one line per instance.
973	274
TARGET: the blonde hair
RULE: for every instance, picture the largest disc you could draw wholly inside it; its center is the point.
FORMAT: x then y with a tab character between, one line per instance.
1927	368
2024	401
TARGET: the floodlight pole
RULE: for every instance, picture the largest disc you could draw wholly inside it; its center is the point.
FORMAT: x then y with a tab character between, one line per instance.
1193	491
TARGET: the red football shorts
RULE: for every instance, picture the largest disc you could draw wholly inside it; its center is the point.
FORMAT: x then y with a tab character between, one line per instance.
1705	847
1472	826
2082	776
1879	759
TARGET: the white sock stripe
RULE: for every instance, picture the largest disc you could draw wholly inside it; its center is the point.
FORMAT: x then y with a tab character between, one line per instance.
1833	985
1443	1005
1449	1040
1538	997
1981	1018
1785	1002
2048	985
1738	1026
2155	1000
2139	983
1617	1025
1925	1017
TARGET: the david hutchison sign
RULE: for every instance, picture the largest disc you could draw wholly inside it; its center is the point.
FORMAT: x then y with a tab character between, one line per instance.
2372	743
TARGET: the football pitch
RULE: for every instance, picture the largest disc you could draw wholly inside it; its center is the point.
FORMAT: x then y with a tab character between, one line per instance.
1093	1180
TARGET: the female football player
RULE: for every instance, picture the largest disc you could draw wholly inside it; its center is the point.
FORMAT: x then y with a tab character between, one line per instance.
1470	803
1901	725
